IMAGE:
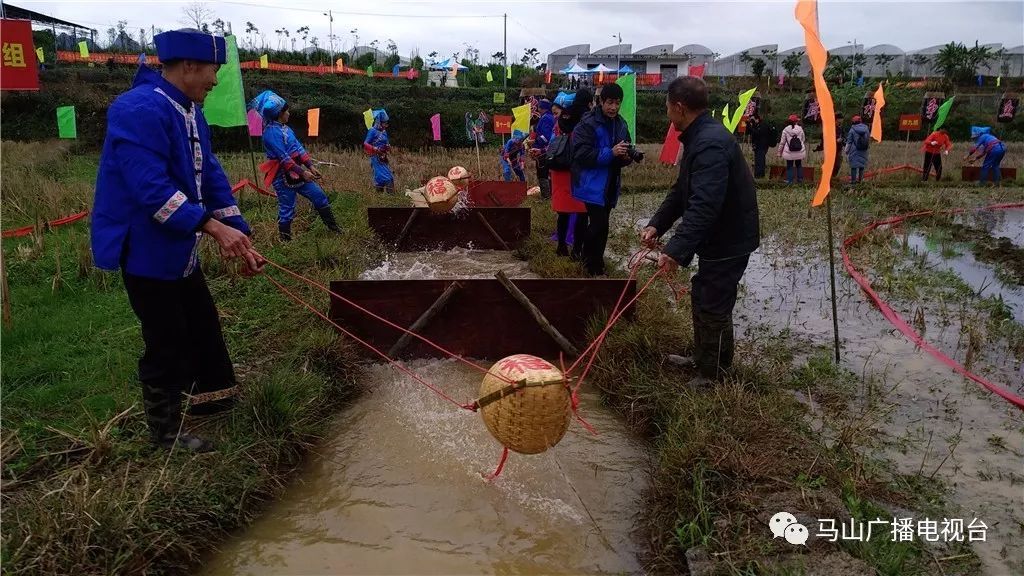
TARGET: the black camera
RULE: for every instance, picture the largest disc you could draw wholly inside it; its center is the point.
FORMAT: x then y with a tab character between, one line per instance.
634	154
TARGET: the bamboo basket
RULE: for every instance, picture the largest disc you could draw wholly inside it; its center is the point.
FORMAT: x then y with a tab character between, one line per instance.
530	415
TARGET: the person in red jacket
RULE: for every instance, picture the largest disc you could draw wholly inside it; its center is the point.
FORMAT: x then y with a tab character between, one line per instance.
934	146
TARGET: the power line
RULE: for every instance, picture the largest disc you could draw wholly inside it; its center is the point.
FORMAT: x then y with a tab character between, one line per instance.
376	14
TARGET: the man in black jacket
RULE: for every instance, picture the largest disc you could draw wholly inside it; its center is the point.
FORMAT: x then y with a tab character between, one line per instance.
717	201
763	137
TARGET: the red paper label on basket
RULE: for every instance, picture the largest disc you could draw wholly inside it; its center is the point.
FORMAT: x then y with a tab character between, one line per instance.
522	363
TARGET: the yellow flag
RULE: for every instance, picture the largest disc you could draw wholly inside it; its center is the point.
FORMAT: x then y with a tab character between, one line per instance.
508	72
490	77
455	68
264	61
522	118
999	81
368	118
340	64
876	121
39	55
83	49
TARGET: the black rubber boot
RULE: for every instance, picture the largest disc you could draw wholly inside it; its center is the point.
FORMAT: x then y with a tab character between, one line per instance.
562	250
285	230
328	217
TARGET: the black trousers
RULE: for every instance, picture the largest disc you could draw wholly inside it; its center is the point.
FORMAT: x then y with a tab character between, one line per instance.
579	233
185	351
596	238
929	161
712	298
759	162
543	179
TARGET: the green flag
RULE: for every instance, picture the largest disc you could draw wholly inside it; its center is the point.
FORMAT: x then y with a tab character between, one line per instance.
225	105
508	72
628	108
999	81
369	70
490	77
725	115
499	97
738	114
940	117
66	127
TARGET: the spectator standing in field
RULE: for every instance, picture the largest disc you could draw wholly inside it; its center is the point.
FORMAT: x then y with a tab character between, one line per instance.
858	140
793	149
934	147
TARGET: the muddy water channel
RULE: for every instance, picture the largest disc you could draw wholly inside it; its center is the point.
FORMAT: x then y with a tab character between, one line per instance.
397	488
926	419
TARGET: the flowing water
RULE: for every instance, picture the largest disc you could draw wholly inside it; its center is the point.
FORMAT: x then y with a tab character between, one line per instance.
397	488
933	412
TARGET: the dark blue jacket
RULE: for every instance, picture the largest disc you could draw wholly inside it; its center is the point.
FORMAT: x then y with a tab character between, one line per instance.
595	170
154	192
714	195
545	131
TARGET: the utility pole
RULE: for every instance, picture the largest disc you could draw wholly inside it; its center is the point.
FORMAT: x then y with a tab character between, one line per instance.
618	53
330	35
504	53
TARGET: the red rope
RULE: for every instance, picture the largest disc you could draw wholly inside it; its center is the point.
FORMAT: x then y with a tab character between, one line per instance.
901	324
501	465
410	373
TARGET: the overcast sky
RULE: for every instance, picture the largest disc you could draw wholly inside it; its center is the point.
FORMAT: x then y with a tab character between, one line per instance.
725	27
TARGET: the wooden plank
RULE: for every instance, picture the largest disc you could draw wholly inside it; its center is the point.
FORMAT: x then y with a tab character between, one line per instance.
483	322
464	228
496	193
425	319
779	173
536	314
973	173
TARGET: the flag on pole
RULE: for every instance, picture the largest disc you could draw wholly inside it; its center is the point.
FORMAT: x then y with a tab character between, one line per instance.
981	80
369	70
83	49
547	77
499	98
225	104
142	59
628	108
66	127
396	70
940	116
39	55
313	119
339	65
522	118
435	126
508	72
600	77
725	115
999	79
876	122
490	77
264	61
806	13
455	68
368	118
781	79
670	148
252	118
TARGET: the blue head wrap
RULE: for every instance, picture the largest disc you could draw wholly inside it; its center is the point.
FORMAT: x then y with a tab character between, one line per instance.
268	105
977	131
564	100
518	135
189	44
379	117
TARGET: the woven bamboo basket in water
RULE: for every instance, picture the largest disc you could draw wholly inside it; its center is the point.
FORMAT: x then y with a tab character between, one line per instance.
530	415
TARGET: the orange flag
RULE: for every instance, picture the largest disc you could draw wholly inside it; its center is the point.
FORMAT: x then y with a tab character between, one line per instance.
876	122
807	15
313	117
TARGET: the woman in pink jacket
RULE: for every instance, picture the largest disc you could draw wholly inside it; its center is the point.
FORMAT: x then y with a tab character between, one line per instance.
793	149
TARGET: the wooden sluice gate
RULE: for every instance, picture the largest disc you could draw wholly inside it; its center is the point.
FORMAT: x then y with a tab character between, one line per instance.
478	318
495	193
414	229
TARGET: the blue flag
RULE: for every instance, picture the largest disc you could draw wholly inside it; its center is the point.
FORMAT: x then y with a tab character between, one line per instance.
142	59
721	80
860	81
981	80
395	71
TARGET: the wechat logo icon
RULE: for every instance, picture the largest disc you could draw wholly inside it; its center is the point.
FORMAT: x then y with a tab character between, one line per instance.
784	525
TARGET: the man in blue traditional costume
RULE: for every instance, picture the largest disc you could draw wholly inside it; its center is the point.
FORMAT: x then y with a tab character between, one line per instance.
289	168
158	191
377	146
513	155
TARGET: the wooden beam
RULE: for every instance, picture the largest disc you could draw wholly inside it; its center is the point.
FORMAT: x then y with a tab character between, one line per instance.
443	231
537	315
483	220
408	226
425	318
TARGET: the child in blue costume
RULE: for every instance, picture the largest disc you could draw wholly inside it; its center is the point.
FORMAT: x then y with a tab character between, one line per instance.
377	146
288	167
992	148
512	157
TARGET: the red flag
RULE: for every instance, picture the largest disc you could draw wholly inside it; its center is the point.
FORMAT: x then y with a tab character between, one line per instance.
697	71
547	78
20	69
670	149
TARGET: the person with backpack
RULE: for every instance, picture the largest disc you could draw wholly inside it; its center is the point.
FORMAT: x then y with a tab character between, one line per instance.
793	149
934	146
992	148
840	143
858	140
568	110
763	135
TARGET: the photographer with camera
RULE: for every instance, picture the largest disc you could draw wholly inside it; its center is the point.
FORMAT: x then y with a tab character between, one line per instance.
601	147
716	199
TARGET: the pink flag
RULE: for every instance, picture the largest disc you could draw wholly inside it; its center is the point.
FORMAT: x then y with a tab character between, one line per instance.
781	78
670	149
697	71
435	124
255	123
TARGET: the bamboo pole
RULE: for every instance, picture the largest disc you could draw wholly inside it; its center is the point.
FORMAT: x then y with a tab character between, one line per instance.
537	315
425	318
483	220
5	293
408	226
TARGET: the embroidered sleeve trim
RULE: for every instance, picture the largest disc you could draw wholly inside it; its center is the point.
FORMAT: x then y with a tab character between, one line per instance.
222	213
170	207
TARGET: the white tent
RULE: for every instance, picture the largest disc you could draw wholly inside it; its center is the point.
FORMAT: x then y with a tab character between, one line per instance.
600	68
446	65
575	69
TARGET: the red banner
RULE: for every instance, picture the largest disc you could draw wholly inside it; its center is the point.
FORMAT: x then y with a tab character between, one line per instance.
910	122
502	124
20	69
